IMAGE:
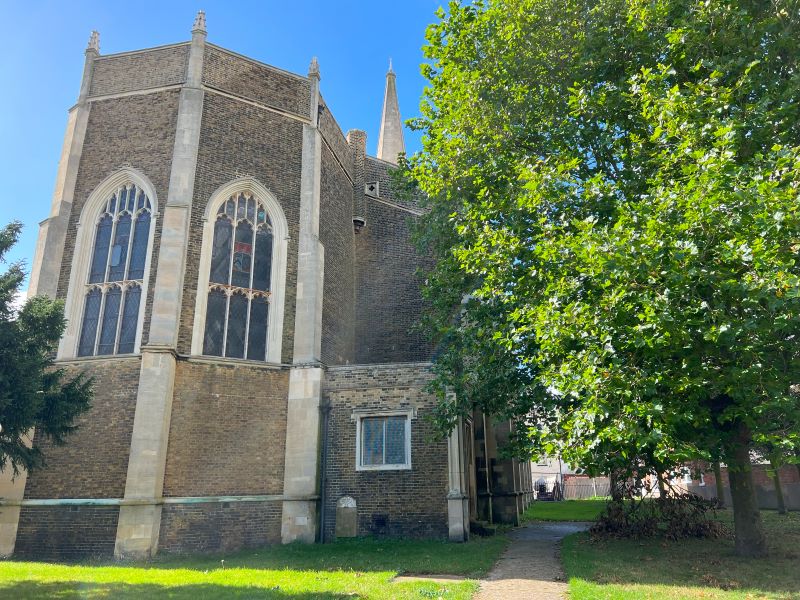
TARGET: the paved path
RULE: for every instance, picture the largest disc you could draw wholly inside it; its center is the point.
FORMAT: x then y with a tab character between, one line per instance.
530	568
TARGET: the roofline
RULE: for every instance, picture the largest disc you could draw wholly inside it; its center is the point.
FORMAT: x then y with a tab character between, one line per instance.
257	62
141	50
208	45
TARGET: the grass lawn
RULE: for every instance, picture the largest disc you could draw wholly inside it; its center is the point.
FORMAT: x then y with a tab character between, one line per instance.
566	510
348	569
661	570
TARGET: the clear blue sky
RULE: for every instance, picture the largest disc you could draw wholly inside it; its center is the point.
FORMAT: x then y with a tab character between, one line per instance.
41	61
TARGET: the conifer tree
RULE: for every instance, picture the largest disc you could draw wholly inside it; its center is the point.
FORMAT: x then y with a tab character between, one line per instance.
34	393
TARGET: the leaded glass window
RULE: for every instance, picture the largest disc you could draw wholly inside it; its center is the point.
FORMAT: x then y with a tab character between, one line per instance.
384	442
113	289
238	298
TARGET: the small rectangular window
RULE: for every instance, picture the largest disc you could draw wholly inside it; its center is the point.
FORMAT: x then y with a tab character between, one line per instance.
384	442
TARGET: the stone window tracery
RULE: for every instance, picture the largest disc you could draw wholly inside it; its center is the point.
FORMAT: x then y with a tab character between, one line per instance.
113	287
243	260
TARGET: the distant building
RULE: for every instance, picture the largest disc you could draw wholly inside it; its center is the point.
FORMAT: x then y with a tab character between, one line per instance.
240	282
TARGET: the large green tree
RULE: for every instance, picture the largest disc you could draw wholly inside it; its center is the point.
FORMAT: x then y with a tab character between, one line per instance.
613	194
33	393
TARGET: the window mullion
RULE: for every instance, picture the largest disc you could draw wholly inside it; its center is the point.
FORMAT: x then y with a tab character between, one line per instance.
247	324
114	220
253	248
230	278
225	328
232	252
100	317
250	278
120	314
126	272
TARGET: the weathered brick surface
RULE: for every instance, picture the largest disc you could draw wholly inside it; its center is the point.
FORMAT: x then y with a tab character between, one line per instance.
388	289
94	461
156	67
66	532
255	81
219	527
357	139
238	140
412	503
333	136
336	235
136	131
378	170
228	430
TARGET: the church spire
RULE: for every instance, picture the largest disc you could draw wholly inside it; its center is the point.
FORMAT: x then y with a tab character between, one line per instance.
390	142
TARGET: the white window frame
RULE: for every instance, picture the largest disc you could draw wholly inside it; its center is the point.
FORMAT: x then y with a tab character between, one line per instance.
84	251
280	244
359	416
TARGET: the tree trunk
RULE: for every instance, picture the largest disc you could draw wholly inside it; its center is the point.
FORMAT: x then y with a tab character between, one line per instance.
776	478
749	531
616	488
720	486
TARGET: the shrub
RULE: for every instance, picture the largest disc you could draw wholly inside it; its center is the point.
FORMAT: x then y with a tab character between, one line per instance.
673	517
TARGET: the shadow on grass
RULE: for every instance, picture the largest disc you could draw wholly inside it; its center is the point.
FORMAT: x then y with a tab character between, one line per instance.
67	590
707	564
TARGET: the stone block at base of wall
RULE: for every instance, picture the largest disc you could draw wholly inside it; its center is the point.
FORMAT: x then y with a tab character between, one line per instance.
66	532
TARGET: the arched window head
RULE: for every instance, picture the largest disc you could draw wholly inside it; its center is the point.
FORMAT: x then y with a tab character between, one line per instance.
112	290
239	280
239	310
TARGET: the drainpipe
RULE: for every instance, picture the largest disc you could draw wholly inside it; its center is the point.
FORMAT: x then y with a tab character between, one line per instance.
325	410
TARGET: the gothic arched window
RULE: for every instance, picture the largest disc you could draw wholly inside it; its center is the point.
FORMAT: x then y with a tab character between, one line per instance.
237	307
112	290
239	304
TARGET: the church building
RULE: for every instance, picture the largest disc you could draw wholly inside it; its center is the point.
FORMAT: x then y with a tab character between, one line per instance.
240	282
